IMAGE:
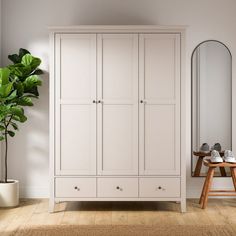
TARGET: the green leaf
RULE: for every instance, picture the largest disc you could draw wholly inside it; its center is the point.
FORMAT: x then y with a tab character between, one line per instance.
31	82
4	108
21	118
23	52
25	101
15	126
17	58
32	96
29	60
11	133
35	63
1	138
38	72
14	58
20	70
16	118
5	90
16	110
18	114
12	95
4	112
16	70
33	91
2	128
20	89
4	75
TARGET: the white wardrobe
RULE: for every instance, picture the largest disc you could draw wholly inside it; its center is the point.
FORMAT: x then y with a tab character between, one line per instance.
117	115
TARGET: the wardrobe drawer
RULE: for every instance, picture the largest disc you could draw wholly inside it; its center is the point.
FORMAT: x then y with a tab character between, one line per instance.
117	187
159	187
75	187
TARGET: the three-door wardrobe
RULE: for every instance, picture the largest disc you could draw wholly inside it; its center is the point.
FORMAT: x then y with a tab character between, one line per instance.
117	114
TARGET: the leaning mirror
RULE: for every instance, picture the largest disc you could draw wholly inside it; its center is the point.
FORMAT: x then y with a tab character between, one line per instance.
211	104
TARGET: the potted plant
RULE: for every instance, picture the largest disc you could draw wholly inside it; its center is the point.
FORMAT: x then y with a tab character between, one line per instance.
18	86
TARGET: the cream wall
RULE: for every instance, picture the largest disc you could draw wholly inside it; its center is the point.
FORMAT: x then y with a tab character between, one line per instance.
25	25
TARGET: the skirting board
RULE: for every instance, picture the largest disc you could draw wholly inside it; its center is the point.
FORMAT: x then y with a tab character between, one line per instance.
34	192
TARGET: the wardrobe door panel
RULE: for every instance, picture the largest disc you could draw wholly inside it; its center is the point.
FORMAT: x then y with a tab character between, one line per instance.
77	65
77	154
159	73
159	138
119	66
159	111
118	141
118	110
75	104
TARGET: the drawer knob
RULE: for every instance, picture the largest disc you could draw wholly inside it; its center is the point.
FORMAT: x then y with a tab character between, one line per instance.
76	188
160	188
119	188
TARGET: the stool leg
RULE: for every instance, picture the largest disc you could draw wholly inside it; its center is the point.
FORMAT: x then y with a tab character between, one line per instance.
222	171
203	189
198	167
208	186
233	174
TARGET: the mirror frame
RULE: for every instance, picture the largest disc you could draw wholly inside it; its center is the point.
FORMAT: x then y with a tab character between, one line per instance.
191	82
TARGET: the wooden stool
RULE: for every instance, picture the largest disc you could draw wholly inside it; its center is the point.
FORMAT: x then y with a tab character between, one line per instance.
206	191
201	156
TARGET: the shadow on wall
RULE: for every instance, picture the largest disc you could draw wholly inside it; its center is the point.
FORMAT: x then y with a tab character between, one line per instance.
121	19
31	143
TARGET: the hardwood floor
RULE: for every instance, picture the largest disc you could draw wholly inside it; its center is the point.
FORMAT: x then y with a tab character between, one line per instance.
35	212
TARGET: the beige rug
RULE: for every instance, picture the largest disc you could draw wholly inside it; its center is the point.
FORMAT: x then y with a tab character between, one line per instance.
157	230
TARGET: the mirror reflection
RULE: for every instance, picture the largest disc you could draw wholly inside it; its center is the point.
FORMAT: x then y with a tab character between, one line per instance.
211	106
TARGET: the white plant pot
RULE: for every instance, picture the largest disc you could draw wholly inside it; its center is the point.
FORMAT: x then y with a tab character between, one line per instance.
9	194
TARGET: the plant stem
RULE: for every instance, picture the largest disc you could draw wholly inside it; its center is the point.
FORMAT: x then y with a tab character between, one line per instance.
6	149
6	146
9	121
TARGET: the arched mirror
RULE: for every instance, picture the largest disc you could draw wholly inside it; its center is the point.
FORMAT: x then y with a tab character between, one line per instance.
211	104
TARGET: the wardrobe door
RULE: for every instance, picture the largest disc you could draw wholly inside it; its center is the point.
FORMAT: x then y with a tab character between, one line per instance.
76	104
117	104
159	74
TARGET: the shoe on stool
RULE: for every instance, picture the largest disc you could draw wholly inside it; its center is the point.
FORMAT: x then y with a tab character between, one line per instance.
204	148
216	147
215	157
229	156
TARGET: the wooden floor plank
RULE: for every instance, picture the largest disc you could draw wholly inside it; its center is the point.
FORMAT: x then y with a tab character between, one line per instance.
21	214
35	212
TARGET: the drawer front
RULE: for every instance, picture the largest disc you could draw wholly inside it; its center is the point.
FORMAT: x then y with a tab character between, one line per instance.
159	187
117	187
75	187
